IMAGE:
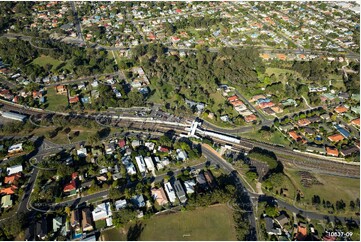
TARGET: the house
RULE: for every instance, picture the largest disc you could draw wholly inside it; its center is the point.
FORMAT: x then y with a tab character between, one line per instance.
119	204
335	137
159	196
301	231
141	164
81	152
309	131
136	143
303	122
325	116
210	179
331	151
170	192
282	220
341	109
163	149
295	136
342	131
74	99
75	218
201	180
149	145
179	191
149	163
121	143
86	220
14	169
349	151
42	228
356	122
6	201
58	223
9	190
189	185
61	89
70	187
224	118
138	201
270	229
316	149
181	155
15	149
13	179
102	211
250	118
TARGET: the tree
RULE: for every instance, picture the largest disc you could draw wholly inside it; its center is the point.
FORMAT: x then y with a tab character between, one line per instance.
272	211
123	216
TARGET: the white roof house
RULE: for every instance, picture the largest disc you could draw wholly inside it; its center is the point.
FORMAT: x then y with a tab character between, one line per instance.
149	162
81	152
149	145
102	211
181	155
14	169
16	148
126	160
120	204
189	185
170	192
140	163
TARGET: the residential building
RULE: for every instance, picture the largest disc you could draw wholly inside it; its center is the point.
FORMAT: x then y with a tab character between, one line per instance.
119	204
102	211
270	229
149	163
210	179
58	223
349	151
159	196
282	220
86	221
141	164
17	148
138	201
331	151
180	191
336	137
189	185
14	169
181	155
6	201
170	192
75	218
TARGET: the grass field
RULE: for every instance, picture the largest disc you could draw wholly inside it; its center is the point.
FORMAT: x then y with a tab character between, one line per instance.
274	138
44	60
212	223
334	188
55	100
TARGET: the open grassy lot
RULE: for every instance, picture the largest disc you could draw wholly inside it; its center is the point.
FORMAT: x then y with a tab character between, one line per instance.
113	234
55	100
212	223
274	138
332	188
44	60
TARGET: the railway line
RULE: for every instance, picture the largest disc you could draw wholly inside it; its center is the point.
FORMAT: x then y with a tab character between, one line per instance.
301	162
287	156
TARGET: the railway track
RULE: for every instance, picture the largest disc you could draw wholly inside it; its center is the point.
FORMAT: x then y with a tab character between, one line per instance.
287	156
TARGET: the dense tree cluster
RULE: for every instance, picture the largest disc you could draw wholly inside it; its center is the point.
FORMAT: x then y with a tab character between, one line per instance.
20	54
